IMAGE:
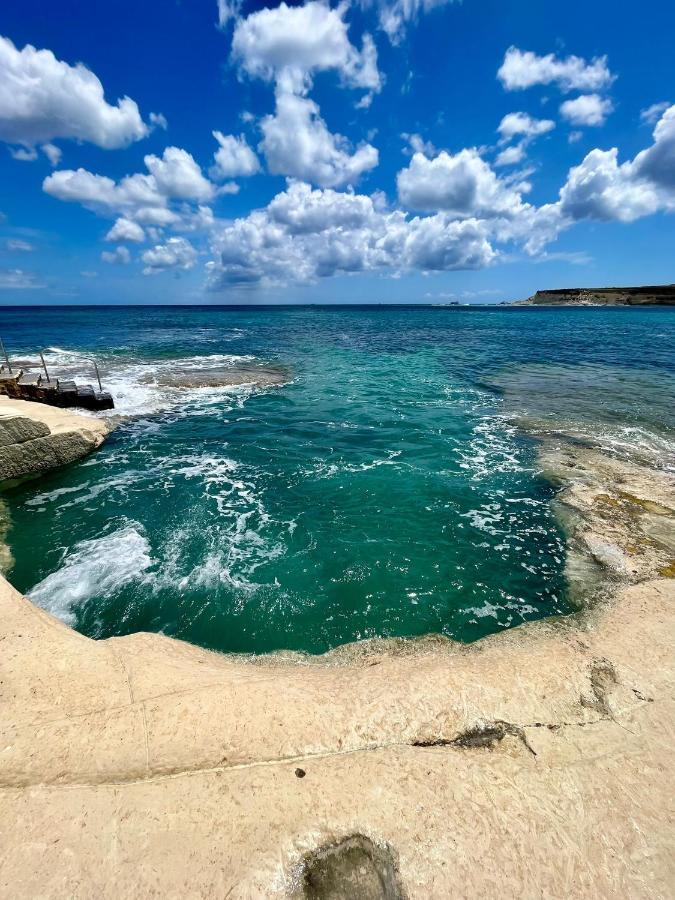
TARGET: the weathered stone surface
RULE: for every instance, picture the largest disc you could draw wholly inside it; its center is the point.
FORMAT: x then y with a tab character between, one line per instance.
534	763
42	438
17	429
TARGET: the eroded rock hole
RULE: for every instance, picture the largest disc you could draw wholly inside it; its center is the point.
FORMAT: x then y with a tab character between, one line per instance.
353	869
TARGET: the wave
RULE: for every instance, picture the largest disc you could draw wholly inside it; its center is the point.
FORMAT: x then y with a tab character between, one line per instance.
94	568
144	386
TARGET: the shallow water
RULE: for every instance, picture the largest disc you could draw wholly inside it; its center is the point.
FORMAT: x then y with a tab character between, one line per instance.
384	489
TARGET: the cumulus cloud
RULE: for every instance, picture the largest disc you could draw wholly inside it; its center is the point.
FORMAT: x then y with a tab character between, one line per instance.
233	158
604	189
463	185
126	230
178	176
524	69
43	98
587	109
657	163
175	253
395	15
305	234
290	43
119	256
519	124
600	188
135	196
142	198
296	142
511	156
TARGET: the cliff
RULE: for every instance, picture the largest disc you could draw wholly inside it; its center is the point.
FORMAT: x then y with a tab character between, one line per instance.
659	295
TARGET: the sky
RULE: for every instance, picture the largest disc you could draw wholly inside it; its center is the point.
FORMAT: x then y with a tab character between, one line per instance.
417	151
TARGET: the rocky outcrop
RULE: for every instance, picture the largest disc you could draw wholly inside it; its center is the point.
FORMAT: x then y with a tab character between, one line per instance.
35	438
658	295
532	763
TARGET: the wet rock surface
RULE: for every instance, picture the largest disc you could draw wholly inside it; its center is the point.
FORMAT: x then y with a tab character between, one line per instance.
262	376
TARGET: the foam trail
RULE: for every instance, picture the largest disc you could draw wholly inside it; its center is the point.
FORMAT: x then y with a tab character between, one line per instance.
94	568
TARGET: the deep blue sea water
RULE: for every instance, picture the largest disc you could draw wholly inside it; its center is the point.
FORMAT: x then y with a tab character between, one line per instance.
385	488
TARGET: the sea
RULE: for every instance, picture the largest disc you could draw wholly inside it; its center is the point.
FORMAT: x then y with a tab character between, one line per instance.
298	478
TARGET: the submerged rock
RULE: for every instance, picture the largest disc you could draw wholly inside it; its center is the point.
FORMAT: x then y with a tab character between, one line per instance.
226	376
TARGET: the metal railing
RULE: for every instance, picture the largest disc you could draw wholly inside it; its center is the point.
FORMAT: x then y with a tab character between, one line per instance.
8	363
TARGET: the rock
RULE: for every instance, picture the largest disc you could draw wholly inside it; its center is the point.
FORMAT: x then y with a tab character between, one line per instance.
354	869
18	430
42	438
656	295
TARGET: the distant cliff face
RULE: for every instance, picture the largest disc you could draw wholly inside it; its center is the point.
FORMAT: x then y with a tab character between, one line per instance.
659	295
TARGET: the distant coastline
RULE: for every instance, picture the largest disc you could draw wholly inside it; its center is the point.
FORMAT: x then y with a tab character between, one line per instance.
647	295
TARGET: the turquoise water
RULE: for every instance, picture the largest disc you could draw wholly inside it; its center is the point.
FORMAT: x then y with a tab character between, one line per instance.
384	488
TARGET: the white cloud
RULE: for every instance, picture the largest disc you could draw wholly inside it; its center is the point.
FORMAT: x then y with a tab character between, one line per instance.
133	194
24	154
52	152
15	245
601	188
158	121
42	98
587	109
141	198
290	43
652	114
417	144
524	69
126	230
178	176
297	142
395	15
463	185
233	158
511	156
306	234
118	256
175	253
228	9
519	124
30	154
657	162
19	280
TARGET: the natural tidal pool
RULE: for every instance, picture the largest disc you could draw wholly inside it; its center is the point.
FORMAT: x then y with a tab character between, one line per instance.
376	483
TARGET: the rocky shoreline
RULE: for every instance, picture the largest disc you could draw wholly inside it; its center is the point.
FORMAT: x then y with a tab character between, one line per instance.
646	295
534	762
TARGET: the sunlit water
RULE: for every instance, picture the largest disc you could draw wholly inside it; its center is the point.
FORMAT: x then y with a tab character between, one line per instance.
384	489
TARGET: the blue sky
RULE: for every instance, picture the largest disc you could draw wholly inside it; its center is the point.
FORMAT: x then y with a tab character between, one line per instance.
382	151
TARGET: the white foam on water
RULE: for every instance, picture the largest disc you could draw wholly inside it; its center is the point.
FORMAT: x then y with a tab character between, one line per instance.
86	492
134	383
491	449
329	470
94	568
241	538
